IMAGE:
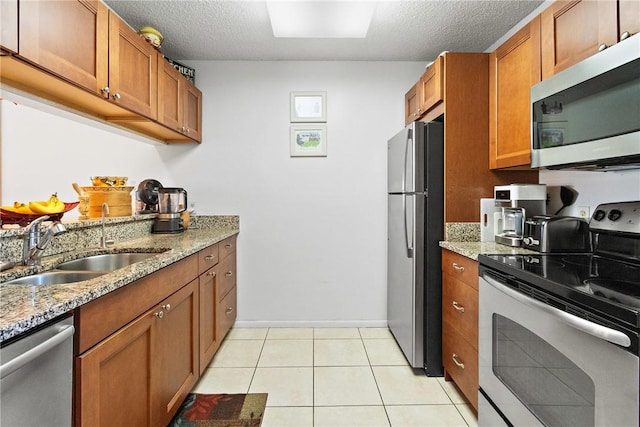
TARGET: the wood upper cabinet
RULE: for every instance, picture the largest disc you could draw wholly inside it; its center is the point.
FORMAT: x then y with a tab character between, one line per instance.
133	69
412	104
574	30
68	38
431	85
9	25
513	68
179	102
426	93
628	18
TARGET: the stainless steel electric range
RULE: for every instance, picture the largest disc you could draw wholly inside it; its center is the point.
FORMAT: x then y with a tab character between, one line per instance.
559	332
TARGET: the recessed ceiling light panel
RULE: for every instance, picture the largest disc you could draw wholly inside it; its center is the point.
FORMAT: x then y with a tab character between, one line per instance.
320	19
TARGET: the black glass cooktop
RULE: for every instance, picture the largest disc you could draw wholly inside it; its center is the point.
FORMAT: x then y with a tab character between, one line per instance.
608	286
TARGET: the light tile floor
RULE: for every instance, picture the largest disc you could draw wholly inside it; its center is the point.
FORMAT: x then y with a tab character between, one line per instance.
332	377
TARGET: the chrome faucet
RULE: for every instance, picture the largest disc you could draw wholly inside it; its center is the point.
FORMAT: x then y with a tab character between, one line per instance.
104	211
35	242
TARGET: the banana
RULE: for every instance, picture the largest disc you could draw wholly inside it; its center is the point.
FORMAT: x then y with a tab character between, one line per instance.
18	207
51	206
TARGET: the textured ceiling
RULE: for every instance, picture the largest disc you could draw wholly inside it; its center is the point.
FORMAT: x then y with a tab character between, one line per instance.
400	30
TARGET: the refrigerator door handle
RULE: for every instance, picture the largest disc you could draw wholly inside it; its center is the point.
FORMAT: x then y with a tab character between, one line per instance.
409	242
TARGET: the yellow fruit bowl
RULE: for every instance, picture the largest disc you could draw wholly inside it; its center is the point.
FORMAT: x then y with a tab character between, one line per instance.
8	217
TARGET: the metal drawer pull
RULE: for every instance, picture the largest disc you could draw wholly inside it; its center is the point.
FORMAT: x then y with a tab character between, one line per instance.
229	273
211	273
167	307
458	307
454	357
159	314
229	311
228	245
209	257
458	267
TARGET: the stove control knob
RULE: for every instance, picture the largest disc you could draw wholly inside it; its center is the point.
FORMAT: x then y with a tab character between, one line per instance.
599	215
614	215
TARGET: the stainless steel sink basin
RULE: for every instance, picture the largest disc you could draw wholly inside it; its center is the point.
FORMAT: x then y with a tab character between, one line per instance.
55	278
106	262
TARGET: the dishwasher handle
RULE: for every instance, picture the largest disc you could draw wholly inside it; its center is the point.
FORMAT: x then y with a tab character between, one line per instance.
598	331
35	352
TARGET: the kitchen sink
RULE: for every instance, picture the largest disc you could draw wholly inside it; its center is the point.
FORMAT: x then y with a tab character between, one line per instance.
55	278
106	262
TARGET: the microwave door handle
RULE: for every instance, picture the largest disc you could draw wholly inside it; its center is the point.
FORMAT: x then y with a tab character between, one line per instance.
598	331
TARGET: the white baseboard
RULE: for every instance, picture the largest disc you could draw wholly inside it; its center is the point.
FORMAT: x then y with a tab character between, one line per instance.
310	324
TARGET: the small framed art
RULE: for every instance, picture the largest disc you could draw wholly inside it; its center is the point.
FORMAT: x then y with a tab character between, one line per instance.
308	107
308	140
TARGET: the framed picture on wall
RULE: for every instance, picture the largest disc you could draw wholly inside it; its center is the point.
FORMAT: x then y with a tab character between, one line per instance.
308	140
308	107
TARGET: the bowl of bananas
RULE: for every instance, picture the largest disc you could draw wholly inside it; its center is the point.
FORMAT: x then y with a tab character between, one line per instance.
23	213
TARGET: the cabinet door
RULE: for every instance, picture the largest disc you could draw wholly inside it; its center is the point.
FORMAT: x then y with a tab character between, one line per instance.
133	69
227	310
192	111
178	368
431	84
9	25
411	104
628	17
209	341
513	68
574	30
115	379
169	102
68	38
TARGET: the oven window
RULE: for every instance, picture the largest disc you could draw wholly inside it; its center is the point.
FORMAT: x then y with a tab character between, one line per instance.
550	385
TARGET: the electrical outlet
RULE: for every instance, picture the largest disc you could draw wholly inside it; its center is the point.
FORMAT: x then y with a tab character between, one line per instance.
583	212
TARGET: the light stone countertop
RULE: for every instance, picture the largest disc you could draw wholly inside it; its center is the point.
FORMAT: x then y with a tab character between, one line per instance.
23	307
473	249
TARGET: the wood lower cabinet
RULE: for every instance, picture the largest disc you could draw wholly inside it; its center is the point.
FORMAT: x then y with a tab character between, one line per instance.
68	38
460	323
217	296
513	68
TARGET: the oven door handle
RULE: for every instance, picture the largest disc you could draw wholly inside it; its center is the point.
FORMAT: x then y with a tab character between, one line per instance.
576	322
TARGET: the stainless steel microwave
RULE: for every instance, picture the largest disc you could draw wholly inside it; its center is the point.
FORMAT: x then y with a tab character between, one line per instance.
588	116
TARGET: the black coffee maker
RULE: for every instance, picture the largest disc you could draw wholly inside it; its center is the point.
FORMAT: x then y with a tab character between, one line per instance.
172	201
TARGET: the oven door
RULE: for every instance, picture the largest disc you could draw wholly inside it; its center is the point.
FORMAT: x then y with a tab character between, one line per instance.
540	365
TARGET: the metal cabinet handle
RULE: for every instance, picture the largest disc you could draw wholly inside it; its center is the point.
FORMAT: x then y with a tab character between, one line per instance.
229	273
211	273
602	47
105	91
209	257
457	267
228	246
159	314
116	96
625	35
457	306
229	311
167	307
454	357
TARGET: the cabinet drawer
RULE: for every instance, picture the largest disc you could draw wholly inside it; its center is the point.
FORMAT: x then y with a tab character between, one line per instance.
226	275
226	314
460	308
460	267
227	247
460	362
207	258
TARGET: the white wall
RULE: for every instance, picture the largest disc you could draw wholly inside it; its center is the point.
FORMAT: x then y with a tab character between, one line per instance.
45	149
312	246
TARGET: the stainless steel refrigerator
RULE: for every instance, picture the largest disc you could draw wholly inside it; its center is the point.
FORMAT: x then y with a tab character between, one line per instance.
415	228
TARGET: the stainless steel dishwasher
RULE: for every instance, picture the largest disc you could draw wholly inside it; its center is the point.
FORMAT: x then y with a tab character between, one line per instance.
36	377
